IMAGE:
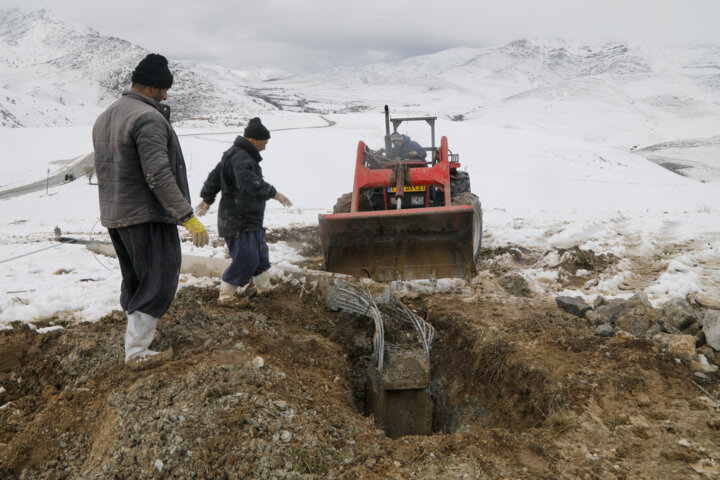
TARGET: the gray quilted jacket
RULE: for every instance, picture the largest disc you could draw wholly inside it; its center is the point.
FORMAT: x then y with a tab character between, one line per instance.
139	164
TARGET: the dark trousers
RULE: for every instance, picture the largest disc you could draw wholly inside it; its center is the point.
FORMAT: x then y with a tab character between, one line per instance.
250	257
149	255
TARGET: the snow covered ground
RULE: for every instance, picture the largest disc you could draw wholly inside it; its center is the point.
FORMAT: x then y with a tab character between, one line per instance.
539	190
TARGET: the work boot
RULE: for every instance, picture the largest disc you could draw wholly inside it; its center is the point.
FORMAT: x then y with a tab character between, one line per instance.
262	282
227	293
139	334
151	359
138	337
247	290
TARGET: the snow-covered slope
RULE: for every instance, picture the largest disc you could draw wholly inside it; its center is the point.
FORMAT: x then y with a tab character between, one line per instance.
645	95
58	73
615	94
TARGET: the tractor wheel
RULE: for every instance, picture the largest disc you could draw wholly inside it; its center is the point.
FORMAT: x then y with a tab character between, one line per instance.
459	183
467	198
344	202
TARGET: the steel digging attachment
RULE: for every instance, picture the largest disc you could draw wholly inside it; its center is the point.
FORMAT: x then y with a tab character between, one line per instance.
400	244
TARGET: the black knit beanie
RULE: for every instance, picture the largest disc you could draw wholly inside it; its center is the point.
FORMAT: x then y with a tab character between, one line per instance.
153	71
255	129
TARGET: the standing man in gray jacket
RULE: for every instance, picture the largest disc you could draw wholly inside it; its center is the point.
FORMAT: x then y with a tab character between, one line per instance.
144	195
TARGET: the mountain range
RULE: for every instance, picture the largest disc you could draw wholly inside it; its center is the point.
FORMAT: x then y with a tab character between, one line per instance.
57	73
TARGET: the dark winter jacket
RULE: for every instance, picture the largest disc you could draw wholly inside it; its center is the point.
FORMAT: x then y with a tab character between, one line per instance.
407	146
139	164
244	192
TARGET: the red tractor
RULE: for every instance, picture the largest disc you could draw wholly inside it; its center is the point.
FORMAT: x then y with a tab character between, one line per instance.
406	218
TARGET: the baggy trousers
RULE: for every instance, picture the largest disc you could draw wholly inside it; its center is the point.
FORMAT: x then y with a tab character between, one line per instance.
250	257
150	258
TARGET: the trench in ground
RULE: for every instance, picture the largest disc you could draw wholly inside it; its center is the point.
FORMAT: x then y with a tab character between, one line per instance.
473	379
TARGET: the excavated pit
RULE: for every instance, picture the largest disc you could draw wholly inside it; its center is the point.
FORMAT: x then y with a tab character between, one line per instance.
470	381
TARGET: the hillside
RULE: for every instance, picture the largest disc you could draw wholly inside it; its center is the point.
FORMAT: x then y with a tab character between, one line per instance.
58	73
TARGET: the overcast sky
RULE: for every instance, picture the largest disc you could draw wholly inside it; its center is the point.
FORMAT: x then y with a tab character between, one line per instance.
311	35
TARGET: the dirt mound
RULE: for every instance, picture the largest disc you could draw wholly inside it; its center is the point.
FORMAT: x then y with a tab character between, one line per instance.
520	389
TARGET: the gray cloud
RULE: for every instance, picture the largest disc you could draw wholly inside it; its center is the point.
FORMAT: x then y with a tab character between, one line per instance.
310	35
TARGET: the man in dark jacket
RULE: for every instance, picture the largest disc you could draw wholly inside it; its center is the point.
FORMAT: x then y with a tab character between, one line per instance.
402	146
144	195
242	210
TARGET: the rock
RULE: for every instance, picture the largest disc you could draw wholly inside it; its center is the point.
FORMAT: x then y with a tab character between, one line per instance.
682	346
159	465
239	346
701	375
515	285
255	422
702	365
702	299
486	283
285	436
661	340
641	299
684	443
573	305
612	310
711	327
594	318
599	301
637	325
605	330
679	313
654	330
258	362
668	328
707	351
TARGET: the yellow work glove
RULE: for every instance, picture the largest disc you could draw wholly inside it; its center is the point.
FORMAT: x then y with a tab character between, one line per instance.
200	236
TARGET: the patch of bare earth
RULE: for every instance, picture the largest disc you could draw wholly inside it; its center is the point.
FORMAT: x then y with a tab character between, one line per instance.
520	388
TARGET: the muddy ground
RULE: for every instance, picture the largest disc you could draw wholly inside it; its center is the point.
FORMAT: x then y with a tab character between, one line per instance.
273	387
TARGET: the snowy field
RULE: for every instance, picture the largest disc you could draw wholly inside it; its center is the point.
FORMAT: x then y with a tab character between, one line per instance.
538	190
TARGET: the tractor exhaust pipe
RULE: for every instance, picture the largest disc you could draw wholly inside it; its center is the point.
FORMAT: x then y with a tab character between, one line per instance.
387	128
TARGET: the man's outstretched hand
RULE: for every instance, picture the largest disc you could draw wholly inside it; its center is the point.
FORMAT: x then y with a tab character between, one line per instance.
283	199
201	209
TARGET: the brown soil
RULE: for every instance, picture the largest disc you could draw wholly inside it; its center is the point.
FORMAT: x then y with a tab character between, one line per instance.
520	390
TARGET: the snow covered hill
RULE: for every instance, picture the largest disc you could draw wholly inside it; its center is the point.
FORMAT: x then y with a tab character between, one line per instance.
644	95
58	73
624	96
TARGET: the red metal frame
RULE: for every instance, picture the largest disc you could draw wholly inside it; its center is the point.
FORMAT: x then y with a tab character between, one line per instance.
438	174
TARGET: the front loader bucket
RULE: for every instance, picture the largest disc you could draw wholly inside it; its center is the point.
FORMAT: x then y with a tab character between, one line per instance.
407	244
